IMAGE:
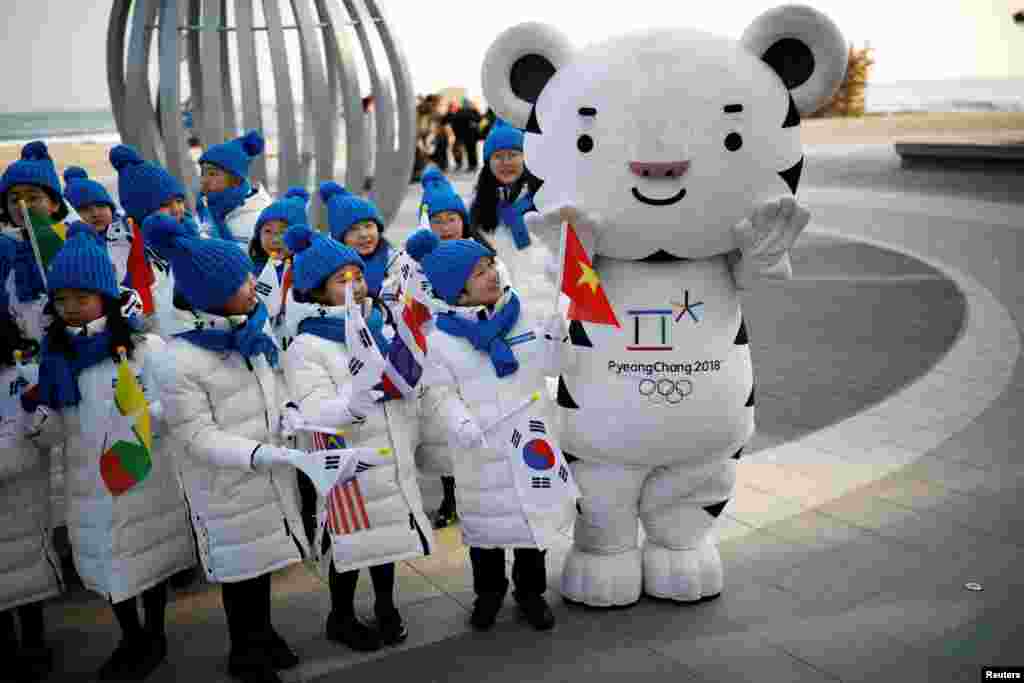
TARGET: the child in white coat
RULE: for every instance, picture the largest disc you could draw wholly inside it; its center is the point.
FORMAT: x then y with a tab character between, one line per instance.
378	517
495	354
229	204
125	514
222	401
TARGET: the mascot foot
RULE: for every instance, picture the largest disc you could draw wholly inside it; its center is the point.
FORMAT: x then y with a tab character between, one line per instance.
602	580
686	576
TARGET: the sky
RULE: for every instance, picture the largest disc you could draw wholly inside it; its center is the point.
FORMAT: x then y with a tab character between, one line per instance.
54	50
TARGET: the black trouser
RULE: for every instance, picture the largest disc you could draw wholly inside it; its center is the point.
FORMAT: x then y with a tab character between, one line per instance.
247	607
343	589
154	604
528	572
471	157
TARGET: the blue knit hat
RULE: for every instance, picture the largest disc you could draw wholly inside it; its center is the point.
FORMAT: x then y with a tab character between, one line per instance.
446	264
81	191
34	168
142	186
502	136
345	209
207	272
82	264
291	208
316	257
235	155
439	195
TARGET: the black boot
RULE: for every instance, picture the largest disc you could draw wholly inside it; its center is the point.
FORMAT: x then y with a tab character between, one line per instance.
349	631
485	610
535	610
391	627
134	658
447	513
282	657
34	663
252	665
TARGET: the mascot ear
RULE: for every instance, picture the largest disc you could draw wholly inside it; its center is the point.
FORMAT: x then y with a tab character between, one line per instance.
804	47
518	65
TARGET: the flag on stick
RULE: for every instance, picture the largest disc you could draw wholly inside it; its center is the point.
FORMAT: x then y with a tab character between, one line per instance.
140	273
581	283
46	236
128	460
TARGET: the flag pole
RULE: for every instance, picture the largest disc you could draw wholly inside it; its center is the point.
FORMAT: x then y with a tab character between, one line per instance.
561	264
26	218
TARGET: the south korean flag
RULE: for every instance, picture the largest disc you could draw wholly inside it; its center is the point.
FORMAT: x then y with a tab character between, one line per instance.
269	289
367	364
119	246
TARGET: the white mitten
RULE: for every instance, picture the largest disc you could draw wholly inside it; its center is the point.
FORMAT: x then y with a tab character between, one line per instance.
468	435
347	408
771	230
267	456
547	225
362	402
556	327
291	420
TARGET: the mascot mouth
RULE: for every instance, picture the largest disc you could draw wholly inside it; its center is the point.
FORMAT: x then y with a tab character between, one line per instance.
659	202
662	256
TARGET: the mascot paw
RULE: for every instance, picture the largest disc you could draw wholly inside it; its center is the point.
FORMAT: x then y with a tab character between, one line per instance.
602	580
682	575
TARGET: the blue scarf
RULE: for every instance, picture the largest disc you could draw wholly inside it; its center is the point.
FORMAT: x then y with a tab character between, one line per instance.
58	374
332	327
28	281
221	204
487	335
376	268
248	339
511	214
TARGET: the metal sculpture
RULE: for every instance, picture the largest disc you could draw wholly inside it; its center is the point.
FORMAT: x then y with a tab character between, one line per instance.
197	47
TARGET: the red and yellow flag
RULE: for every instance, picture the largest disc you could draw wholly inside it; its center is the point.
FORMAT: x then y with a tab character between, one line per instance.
581	283
140	273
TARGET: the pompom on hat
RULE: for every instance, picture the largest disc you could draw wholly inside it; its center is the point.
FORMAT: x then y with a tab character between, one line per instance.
80	190
142	186
207	272
35	167
502	136
345	209
234	156
439	195
446	264
291	208
82	264
316	257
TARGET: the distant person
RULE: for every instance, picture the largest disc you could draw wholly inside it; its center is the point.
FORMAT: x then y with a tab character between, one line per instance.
229	203
370	127
466	126
442	138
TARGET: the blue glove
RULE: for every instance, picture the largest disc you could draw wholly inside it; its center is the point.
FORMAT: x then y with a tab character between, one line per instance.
511	214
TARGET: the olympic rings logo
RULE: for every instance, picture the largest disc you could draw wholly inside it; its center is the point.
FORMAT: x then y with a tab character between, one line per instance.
665	391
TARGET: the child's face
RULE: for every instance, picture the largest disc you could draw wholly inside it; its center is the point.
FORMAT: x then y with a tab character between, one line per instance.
363	236
215	179
243	300
334	287
507	165
99	216
482	287
447	225
34	196
272	238
77	307
174	207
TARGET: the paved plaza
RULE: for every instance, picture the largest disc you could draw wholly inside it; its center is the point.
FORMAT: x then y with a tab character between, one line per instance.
884	477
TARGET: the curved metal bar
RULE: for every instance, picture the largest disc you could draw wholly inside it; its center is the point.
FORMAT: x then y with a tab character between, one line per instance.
384	115
287	146
179	162
230	118
402	155
252	105
195	73
212	131
115	64
320	112
139	109
355	132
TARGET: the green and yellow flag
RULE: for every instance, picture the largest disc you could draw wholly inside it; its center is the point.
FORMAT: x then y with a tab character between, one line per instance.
49	235
128	460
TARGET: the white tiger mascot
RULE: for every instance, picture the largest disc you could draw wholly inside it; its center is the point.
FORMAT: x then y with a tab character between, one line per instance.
676	155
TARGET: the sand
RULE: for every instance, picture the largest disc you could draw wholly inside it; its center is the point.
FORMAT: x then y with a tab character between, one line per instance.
979	127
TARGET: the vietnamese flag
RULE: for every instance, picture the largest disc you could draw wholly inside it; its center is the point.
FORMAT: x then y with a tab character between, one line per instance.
581	283
140	273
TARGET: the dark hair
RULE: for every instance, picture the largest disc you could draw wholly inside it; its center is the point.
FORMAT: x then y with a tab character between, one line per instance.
256	251
11	340
122	334
60	214
483	214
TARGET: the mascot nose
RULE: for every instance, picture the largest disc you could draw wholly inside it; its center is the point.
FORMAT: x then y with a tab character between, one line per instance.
659	169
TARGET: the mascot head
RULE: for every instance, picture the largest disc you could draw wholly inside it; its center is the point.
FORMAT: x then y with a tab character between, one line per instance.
671	136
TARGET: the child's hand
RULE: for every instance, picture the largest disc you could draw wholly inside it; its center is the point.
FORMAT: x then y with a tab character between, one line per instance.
291	420
771	230
469	435
556	327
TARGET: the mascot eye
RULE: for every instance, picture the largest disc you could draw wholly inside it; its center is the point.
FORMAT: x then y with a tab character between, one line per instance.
733	142
585	143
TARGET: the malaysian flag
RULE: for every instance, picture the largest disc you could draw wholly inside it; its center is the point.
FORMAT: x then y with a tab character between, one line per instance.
345	505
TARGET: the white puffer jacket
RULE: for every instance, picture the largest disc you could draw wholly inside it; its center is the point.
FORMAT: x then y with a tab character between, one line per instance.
123	544
490	507
219	410
241	220
28	566
317	369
